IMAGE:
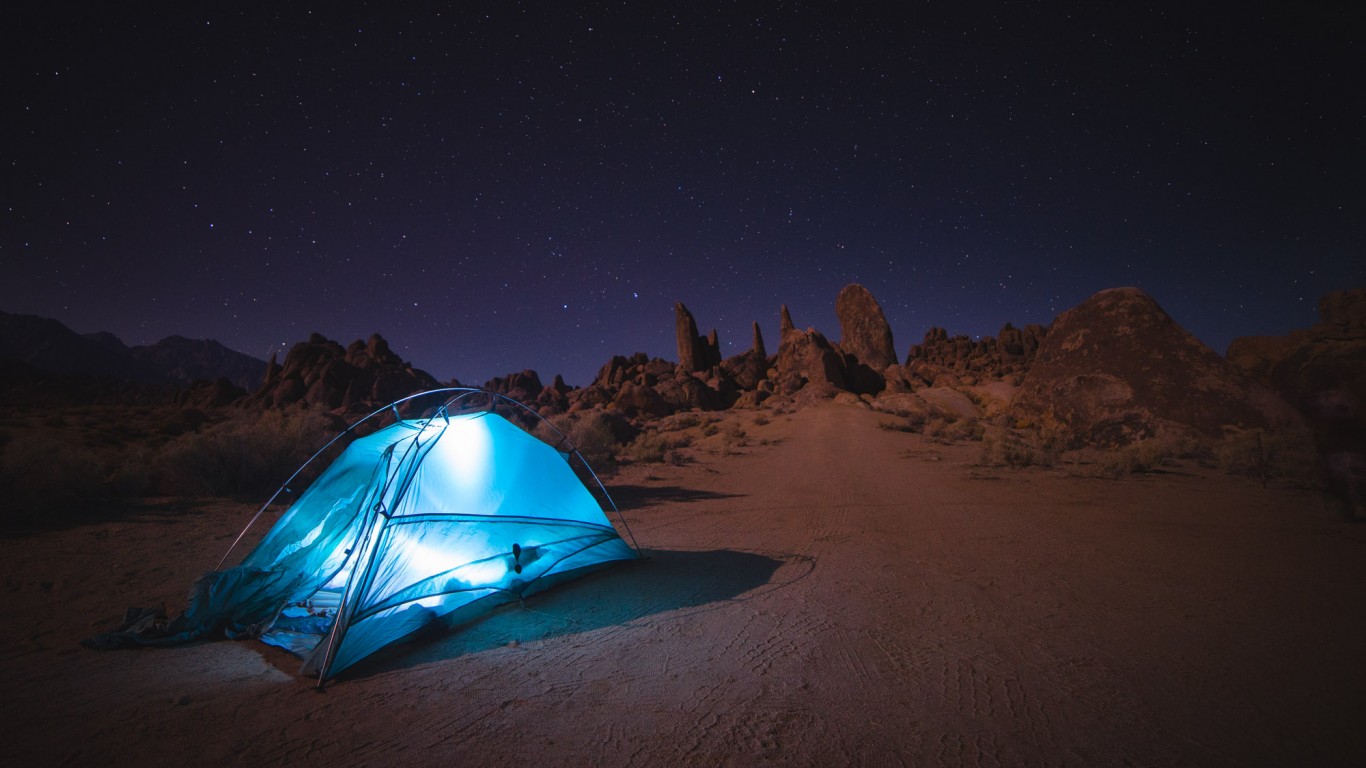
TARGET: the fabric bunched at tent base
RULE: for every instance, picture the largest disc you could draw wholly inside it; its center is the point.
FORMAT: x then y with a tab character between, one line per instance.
426	520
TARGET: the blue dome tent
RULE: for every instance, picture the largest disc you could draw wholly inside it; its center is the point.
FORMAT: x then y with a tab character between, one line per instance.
426	520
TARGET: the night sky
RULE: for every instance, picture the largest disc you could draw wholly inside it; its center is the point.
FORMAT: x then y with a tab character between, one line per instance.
497	186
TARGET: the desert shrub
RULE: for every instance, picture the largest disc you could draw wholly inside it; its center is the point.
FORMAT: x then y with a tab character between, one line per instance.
591	435
130	475
1117	463
1156	452
250	454
1013	450
760	420
46	480
179	422
647	448
655	448
733	438
937	428
900	426
1135	459
947	430
1270	456
967	429
681	421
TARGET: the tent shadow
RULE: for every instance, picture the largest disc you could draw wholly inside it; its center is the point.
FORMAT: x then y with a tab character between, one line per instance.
666	581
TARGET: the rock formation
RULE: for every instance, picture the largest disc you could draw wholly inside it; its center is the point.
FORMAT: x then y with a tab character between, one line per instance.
746	370
204	393
1321	371
1117	369
321	374
806	357
639	387
1330	355
523	386
961	360
864	332
695	353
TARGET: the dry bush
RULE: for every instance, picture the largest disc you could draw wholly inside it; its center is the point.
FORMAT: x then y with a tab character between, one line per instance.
1270	456
949	430
250	454
937	428
180	421
1010	449
1156	452
47	480
760	420
1118	463
732	439
130	475
679	421
970	428
590	432
899	426
655	448
1141	457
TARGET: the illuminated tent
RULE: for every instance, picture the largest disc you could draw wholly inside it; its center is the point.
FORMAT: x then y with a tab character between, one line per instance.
427	520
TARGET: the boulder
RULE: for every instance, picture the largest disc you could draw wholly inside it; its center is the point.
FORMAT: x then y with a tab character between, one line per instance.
805	357
554	398
684	392
950	403
1330	355
524	386
1321	371
1005	356
636	400
695	353
354	379
993	398
589	397
751	399
864	332
1117	369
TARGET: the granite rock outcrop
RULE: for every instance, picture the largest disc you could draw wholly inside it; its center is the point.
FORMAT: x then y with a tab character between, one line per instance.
1117	369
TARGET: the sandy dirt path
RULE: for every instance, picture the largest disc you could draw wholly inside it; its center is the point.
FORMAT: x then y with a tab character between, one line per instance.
841	595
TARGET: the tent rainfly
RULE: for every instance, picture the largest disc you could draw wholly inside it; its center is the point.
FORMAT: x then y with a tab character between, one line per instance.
428	520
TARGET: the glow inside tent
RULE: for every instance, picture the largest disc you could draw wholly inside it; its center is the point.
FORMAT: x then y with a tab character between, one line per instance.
423	521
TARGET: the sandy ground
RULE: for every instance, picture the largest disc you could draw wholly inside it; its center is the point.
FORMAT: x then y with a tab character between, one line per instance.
843	595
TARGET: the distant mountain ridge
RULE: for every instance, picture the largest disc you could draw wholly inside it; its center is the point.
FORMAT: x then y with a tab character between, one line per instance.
189	360
48	345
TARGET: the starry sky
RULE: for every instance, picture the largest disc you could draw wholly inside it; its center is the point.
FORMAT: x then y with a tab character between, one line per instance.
497	186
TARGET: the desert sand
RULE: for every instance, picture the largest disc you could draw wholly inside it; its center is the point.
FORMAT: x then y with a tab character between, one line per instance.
830	593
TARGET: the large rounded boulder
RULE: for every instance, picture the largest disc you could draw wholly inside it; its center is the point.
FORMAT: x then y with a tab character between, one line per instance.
1117	369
